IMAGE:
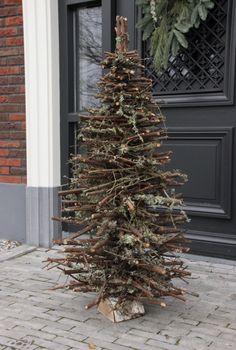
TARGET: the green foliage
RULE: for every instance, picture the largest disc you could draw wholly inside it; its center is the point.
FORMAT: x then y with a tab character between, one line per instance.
166	23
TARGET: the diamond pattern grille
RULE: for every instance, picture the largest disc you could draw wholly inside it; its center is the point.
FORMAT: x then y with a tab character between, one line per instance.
200	68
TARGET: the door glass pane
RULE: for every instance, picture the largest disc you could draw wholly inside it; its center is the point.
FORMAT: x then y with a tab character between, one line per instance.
88	55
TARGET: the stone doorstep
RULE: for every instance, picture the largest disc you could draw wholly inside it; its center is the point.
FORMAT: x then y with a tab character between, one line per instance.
195	258
16	252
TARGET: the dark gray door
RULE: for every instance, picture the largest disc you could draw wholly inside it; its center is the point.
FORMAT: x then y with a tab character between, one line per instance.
198	89
197	93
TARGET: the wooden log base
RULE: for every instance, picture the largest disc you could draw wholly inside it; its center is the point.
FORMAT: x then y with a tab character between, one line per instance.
119	313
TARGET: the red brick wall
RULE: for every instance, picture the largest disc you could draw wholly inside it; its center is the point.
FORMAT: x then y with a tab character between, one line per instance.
12	94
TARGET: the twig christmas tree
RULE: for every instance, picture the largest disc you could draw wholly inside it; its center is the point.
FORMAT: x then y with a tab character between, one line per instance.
121	195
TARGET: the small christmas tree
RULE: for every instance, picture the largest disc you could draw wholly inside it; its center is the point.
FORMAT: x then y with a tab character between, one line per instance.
121	195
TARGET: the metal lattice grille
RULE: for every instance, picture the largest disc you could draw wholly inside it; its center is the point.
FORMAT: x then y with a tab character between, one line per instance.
200	68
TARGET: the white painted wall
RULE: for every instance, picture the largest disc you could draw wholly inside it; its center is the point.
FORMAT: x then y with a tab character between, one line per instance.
41	43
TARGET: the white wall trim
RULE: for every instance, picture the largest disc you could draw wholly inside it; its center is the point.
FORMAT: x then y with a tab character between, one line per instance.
41	45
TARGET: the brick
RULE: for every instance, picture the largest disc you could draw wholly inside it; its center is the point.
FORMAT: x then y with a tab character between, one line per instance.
23	126
14	21
3	61
20	30
10	162
22	89
18	41
10	179
17	117
4	99
15	60
2	22
9	89
22	144
4	134
9	70
3	42
16	80
4	117
7	52
7	32
8	11
4	170
17	171
10	126
9	144
3	80
15	98
18	135
12	2
10	108
20	10
4	152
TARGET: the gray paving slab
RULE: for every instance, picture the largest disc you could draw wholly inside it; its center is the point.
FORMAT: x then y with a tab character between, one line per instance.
34	317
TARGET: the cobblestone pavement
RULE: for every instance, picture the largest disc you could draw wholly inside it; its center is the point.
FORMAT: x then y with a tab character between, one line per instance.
33	317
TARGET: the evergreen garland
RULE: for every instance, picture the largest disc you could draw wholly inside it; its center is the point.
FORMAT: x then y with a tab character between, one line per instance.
166	23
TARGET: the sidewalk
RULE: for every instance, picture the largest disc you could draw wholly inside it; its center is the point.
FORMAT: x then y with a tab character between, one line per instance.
32	317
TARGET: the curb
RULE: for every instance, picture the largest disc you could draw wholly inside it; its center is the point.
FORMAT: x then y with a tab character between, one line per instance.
16	252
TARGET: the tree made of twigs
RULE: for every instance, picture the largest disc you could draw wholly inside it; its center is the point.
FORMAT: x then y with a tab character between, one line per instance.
120	196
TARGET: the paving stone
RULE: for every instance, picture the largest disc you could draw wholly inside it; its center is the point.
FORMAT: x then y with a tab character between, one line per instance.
194	342
211	330
219	344
46	344
149	335
110	346
34	333
17	344
217	320
227	333
55	332
232	325
137	342
84	346
66	341
102	335
155	344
